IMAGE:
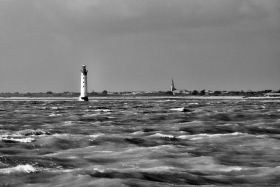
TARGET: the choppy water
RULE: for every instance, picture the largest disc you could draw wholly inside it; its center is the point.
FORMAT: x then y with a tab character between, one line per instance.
140	143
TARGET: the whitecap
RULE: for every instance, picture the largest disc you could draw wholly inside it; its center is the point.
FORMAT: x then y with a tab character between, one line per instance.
96	135
103	151
102	110
170	100
217	168
228	124
56	108
158	168
178	109
201	136
181	109
142	149
18	169
55	115
229	169
23	140
89	115
32	132
161	147
137	133
163	135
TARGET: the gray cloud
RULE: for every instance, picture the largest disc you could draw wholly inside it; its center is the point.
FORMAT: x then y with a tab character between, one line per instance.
38	35
133	16
137	16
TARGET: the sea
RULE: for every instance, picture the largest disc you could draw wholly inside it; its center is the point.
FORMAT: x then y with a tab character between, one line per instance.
140	143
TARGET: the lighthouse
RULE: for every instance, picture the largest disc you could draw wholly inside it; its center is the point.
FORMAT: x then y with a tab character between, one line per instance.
83	96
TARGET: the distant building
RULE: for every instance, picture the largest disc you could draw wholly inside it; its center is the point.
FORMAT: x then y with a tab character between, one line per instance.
172	87
208	92
271	94
138	92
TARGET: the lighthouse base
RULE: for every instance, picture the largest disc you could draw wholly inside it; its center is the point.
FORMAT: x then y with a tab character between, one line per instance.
83	98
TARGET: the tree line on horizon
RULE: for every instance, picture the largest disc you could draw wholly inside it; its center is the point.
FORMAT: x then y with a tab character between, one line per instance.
153	93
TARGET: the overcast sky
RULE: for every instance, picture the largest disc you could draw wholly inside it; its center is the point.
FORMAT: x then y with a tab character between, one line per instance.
139	45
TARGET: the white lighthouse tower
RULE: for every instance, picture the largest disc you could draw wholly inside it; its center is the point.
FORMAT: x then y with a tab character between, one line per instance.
83	96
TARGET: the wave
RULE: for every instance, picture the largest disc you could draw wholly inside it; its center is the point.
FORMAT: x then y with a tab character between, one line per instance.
19	134
68	123
56	108
142	149
217	168
55	115
201	136
138	133
13	140
168	100
18	169
163	135
31	132
96	135
192	103
181	109
229	169
102	110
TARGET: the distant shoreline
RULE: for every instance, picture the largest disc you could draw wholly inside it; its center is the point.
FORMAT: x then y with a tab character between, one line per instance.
138	98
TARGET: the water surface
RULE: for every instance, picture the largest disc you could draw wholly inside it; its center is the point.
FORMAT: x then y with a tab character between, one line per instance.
140	143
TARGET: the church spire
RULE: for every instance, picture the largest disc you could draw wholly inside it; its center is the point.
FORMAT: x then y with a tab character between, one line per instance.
172	88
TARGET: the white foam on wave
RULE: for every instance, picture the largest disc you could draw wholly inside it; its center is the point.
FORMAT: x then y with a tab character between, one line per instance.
18	169
157	169
138	133
103	151
178	109
229	169
201	136
163	135
154	148
22	140
192	103
56	108
217	168
55	115
228	124
192	122
61	135
68	123
161	147
102	110
135	166
96	135
111	117
162	101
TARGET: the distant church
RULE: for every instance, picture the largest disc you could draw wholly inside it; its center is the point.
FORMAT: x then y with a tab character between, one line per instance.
176	91
172	87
